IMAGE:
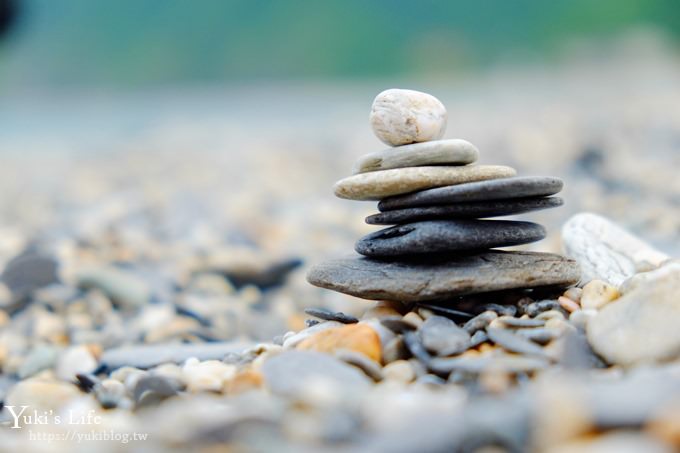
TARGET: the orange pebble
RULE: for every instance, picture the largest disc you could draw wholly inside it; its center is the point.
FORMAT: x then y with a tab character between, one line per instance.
568	304
356	337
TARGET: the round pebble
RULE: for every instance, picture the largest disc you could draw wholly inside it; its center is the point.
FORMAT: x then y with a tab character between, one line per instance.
399	117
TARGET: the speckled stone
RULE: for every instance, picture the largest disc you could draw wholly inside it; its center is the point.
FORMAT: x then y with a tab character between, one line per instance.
376	185
493	189
439	278
439	152
399	117
474	210
440	236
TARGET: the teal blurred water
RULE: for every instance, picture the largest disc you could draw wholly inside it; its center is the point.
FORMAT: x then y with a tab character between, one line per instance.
151	42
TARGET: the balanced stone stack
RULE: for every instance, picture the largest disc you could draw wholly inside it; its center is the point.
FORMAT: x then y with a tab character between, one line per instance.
434	197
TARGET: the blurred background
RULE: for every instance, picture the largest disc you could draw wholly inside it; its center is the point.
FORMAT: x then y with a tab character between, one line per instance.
149	131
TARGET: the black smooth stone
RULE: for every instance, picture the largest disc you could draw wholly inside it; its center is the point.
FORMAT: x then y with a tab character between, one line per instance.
441	236
473	210
492	189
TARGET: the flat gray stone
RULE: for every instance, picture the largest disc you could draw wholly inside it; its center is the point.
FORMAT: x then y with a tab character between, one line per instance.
291	372
473	210
438	152
147	356
443	337
492	189
376	185
439	278
505	362
441	236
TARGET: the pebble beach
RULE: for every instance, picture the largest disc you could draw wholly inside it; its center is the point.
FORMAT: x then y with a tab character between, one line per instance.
155	254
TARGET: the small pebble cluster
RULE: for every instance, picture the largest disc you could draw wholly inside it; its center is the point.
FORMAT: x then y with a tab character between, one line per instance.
438	247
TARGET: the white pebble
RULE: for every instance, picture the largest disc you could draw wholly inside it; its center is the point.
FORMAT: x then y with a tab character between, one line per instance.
75	360
399	117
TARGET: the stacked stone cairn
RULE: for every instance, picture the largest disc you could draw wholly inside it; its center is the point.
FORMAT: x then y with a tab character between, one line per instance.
434	197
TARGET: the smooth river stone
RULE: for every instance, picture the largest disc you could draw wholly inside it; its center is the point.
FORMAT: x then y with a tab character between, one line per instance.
606	251
439	278
380	184
474	210
494	189
439	152
399	117
642	325
441	236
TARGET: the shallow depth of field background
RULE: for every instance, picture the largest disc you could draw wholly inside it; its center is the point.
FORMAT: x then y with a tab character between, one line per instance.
215	123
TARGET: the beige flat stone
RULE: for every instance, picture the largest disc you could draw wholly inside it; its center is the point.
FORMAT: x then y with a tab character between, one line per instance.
641	326
439	152
380	184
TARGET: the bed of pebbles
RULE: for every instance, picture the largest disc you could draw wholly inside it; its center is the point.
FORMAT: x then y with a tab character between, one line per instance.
122	318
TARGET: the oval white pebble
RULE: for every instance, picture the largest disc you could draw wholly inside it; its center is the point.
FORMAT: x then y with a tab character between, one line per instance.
399	117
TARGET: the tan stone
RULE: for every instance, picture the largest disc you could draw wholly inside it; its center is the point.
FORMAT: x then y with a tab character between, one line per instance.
439	152
244	381
641	326
379	184
596	294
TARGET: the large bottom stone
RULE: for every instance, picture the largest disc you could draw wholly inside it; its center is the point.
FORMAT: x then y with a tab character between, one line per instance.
443	277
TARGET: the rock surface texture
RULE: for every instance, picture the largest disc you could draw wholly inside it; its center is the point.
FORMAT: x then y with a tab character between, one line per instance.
443	152
473	210
429	279
606	251
399	117
642	325
493	189
441	236
379	184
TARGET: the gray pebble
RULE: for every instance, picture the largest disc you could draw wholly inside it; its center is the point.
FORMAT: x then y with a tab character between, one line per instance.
443	337
441	236
478	338
536	308
540	335
475	210
110	393
288	373
147	356
368	366
480	322
329	315
41	357
397	324
152	389
479	364
514	343
415	347
521	322
501	310
493	189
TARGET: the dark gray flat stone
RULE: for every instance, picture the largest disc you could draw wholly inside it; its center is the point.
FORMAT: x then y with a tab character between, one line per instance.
441	278
441	236
473	210
496	189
